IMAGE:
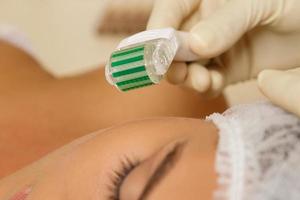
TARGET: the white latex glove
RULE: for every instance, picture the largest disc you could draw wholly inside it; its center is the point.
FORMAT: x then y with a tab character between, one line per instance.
240	37
282	88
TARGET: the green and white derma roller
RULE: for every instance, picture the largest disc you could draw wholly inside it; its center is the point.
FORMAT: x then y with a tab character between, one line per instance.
144	58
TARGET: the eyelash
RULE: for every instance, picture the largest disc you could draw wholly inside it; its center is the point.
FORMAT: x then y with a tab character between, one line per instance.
118	177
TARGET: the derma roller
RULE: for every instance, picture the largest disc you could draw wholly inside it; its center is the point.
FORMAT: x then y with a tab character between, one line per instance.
143	59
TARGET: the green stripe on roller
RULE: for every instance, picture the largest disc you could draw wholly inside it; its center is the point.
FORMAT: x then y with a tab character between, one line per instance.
127	66
129	60
135	84
131	88
127	51
129	71
127	56
131	76
136	80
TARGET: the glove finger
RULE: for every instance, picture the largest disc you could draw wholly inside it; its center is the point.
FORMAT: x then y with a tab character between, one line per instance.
185	52
217	82
205	9
189	22
294	71
222	29
177	73
282	88
170	13
208	81
198	78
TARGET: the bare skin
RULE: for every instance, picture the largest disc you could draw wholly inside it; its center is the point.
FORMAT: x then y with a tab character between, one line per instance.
40	113
85	168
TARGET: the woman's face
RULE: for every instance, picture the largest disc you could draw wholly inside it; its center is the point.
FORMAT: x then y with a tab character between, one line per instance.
151	159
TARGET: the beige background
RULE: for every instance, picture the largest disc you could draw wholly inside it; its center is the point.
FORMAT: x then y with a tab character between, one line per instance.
64	35
63	32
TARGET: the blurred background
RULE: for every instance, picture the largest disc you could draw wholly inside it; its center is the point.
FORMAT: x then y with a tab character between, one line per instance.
70	37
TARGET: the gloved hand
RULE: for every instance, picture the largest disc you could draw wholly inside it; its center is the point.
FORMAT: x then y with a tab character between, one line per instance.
282	88
239	37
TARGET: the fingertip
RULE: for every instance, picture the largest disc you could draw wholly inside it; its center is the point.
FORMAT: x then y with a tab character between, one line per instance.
282	88
198	78
217	85
273	83
218	82
177	73
267	75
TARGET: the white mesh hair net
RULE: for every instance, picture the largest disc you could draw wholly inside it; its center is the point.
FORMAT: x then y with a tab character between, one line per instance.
258	155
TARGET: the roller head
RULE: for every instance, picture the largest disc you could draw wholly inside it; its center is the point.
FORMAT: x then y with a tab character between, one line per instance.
127	68
140	65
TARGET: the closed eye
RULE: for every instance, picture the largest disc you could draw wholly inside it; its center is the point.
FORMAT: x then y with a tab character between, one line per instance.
118	176
166	164
142	176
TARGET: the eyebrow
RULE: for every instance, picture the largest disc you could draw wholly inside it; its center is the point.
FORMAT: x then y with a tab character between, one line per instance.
168	162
